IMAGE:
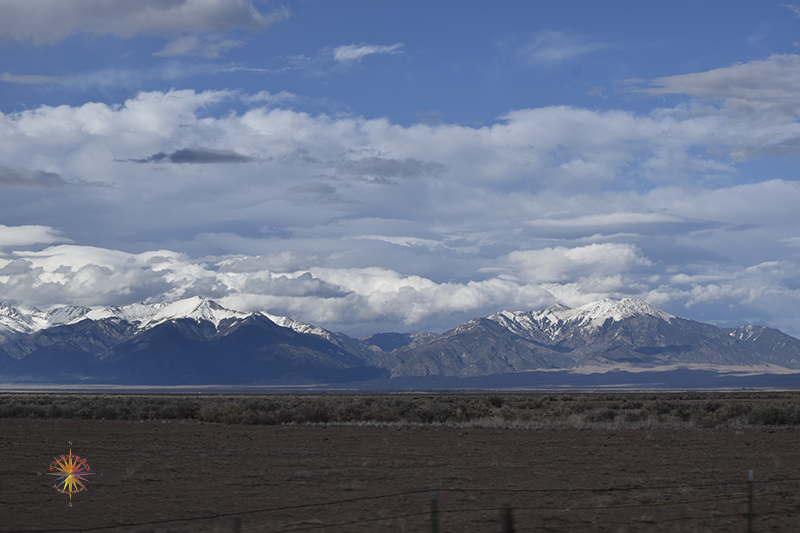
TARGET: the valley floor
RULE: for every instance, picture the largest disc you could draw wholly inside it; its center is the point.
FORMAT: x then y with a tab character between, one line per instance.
185	475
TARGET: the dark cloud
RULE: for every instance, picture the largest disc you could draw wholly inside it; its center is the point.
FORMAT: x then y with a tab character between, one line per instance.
195	155
391	168
304	285
32	179
206	287
376	180
300	156
16	267
321	193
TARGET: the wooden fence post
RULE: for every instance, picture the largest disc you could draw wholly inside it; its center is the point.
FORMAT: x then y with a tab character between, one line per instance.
434	510
750	501
506	520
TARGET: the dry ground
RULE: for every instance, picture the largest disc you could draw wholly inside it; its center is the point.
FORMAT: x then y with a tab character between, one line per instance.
154	471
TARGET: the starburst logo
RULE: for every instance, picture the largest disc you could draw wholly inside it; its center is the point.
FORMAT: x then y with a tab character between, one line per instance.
71	471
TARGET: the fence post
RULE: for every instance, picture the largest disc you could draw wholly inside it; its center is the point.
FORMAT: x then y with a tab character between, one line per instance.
434	510
237	524
749	501
506	520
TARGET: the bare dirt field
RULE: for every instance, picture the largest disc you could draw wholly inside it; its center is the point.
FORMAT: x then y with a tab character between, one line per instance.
191	476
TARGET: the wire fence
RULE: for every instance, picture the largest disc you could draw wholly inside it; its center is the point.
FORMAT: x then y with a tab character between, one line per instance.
730	502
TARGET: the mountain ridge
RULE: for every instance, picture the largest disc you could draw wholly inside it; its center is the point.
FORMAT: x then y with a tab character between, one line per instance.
198	341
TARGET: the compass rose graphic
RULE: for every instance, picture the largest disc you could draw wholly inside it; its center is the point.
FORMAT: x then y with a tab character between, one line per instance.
71	471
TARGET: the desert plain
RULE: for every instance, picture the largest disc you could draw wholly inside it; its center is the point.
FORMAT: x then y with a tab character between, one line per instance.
176	475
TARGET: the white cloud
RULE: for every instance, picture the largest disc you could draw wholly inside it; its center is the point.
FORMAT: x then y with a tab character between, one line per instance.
549	47
749	87
359	223
28	235
194	45
31	79
50	21
557	264
355	52
794	8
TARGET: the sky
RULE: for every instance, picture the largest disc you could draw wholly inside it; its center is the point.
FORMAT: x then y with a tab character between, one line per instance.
402	165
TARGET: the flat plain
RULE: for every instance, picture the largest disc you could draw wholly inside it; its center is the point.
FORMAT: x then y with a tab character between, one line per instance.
179	475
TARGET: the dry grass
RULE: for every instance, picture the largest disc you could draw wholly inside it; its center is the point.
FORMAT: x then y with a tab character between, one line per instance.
534	411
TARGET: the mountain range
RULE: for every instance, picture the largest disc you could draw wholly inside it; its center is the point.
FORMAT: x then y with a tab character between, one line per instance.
198	342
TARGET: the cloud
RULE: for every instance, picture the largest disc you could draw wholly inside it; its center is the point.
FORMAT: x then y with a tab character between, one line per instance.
547	204
28	235
50	21
321	193
549	47
33	179
195	156
362	299
356	52
31	79
772	81
380	167
550	265
194	45
794	8
404	241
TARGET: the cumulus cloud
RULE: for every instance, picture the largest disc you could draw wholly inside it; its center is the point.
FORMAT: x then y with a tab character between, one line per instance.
50	21
361	299
28	235
356	52
548	204
558	264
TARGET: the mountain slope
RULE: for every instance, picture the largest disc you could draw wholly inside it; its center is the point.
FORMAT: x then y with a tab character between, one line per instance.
250	350
478	348
190	341
197	341
601	333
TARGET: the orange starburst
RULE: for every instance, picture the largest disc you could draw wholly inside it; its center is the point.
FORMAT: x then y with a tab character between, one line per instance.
71	471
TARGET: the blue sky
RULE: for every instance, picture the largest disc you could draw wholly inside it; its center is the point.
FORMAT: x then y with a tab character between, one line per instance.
374	166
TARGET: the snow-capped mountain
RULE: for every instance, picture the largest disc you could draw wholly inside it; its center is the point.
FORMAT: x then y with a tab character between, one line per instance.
196	340
146	316
26	319
557	319
606	332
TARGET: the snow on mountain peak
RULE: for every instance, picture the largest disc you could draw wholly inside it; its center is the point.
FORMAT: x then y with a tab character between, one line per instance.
28	319
300	327
553	320
597	313
149	315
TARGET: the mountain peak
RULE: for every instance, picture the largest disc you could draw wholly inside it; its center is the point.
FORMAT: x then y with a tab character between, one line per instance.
149	315
27	319
557	319
598	312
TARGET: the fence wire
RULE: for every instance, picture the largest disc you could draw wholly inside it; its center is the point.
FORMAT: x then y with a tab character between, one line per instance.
725	498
